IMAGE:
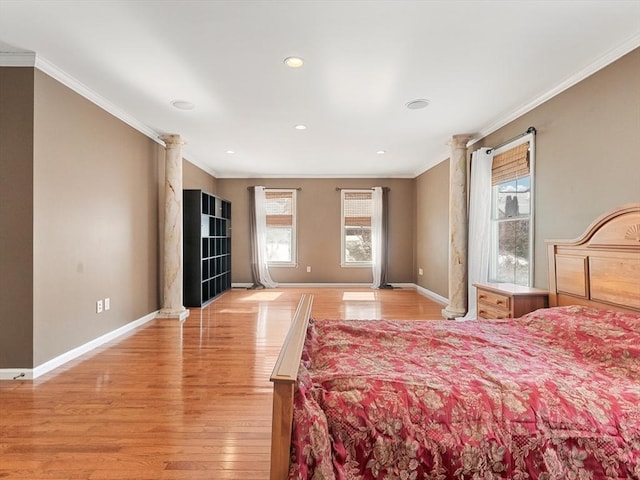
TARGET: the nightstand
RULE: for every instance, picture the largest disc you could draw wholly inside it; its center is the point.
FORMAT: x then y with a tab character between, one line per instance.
507	300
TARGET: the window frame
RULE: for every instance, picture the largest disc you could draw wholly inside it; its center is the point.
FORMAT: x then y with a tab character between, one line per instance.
495	222
294	227
343	261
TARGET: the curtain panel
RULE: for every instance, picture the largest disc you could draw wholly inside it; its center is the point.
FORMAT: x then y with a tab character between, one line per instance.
380	237
258	231
479	225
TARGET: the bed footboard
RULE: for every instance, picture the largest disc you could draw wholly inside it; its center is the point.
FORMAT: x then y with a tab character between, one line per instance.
284	376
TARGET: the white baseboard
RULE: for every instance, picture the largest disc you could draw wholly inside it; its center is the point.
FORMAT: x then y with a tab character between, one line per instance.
432	295
309	285
421	290
404	285
33	373
326	285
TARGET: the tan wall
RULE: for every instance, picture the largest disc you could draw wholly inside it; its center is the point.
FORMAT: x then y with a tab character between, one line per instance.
193	177
95	220
16	217
319	229
587	159
432	229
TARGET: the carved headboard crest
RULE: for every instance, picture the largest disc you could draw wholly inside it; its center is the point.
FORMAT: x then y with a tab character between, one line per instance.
633	233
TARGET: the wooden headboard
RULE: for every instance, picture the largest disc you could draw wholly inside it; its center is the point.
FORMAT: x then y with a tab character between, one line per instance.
602	267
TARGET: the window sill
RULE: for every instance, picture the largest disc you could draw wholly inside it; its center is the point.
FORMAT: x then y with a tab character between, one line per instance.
282	265
355	265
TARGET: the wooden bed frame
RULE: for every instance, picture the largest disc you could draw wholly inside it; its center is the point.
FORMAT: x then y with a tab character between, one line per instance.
601	269
284	376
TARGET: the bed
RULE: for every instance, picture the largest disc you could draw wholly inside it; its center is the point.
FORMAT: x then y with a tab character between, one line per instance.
554	394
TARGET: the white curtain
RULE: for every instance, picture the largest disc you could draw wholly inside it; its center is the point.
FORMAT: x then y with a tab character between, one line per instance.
376	236
479	225
261	239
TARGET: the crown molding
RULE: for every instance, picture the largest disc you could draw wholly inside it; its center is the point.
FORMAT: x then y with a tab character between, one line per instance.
443	157
598	64
17	59
80	88
246	175
609	57
199	164
30	59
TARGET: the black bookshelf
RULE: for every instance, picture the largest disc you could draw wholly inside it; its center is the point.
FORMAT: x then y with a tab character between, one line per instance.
207	247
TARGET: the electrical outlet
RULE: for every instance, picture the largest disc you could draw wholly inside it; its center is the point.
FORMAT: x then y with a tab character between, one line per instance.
99	306
107	304
308	269
420	272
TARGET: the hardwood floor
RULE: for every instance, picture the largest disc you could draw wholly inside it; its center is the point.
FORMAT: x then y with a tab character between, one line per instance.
173	400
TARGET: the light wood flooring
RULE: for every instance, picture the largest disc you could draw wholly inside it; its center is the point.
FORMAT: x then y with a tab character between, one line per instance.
173	400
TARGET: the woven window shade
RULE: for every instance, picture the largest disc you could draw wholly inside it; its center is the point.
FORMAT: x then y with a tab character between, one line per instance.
511	165
357	209
279	207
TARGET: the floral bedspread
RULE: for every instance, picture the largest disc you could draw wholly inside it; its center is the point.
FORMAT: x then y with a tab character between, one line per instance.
552	395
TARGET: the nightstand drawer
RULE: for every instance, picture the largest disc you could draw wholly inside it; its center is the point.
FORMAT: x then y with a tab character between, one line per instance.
488	312
492	299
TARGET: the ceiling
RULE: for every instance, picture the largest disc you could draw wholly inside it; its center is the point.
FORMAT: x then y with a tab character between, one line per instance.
479	63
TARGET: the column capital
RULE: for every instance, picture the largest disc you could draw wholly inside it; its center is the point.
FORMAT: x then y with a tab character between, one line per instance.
460	140
172	139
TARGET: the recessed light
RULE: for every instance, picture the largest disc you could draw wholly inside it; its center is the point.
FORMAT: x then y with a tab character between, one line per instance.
381	152
183	105
417	104
230	152
293	62
300	127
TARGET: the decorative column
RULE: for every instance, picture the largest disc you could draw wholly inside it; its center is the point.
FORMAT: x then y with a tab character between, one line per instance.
458	222
172	295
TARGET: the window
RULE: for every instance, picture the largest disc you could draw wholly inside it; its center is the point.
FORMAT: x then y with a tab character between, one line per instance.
511	220
280	206
357	207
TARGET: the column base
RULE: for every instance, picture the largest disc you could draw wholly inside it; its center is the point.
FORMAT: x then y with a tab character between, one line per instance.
451	313
173	313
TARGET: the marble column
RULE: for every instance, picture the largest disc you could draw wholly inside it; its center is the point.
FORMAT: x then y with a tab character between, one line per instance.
458	227
172	295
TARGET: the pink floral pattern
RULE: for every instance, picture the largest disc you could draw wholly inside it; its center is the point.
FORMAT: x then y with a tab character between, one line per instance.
552	395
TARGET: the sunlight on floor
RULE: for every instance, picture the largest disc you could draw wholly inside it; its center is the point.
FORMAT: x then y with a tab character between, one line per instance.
244	310
262	297
360	296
